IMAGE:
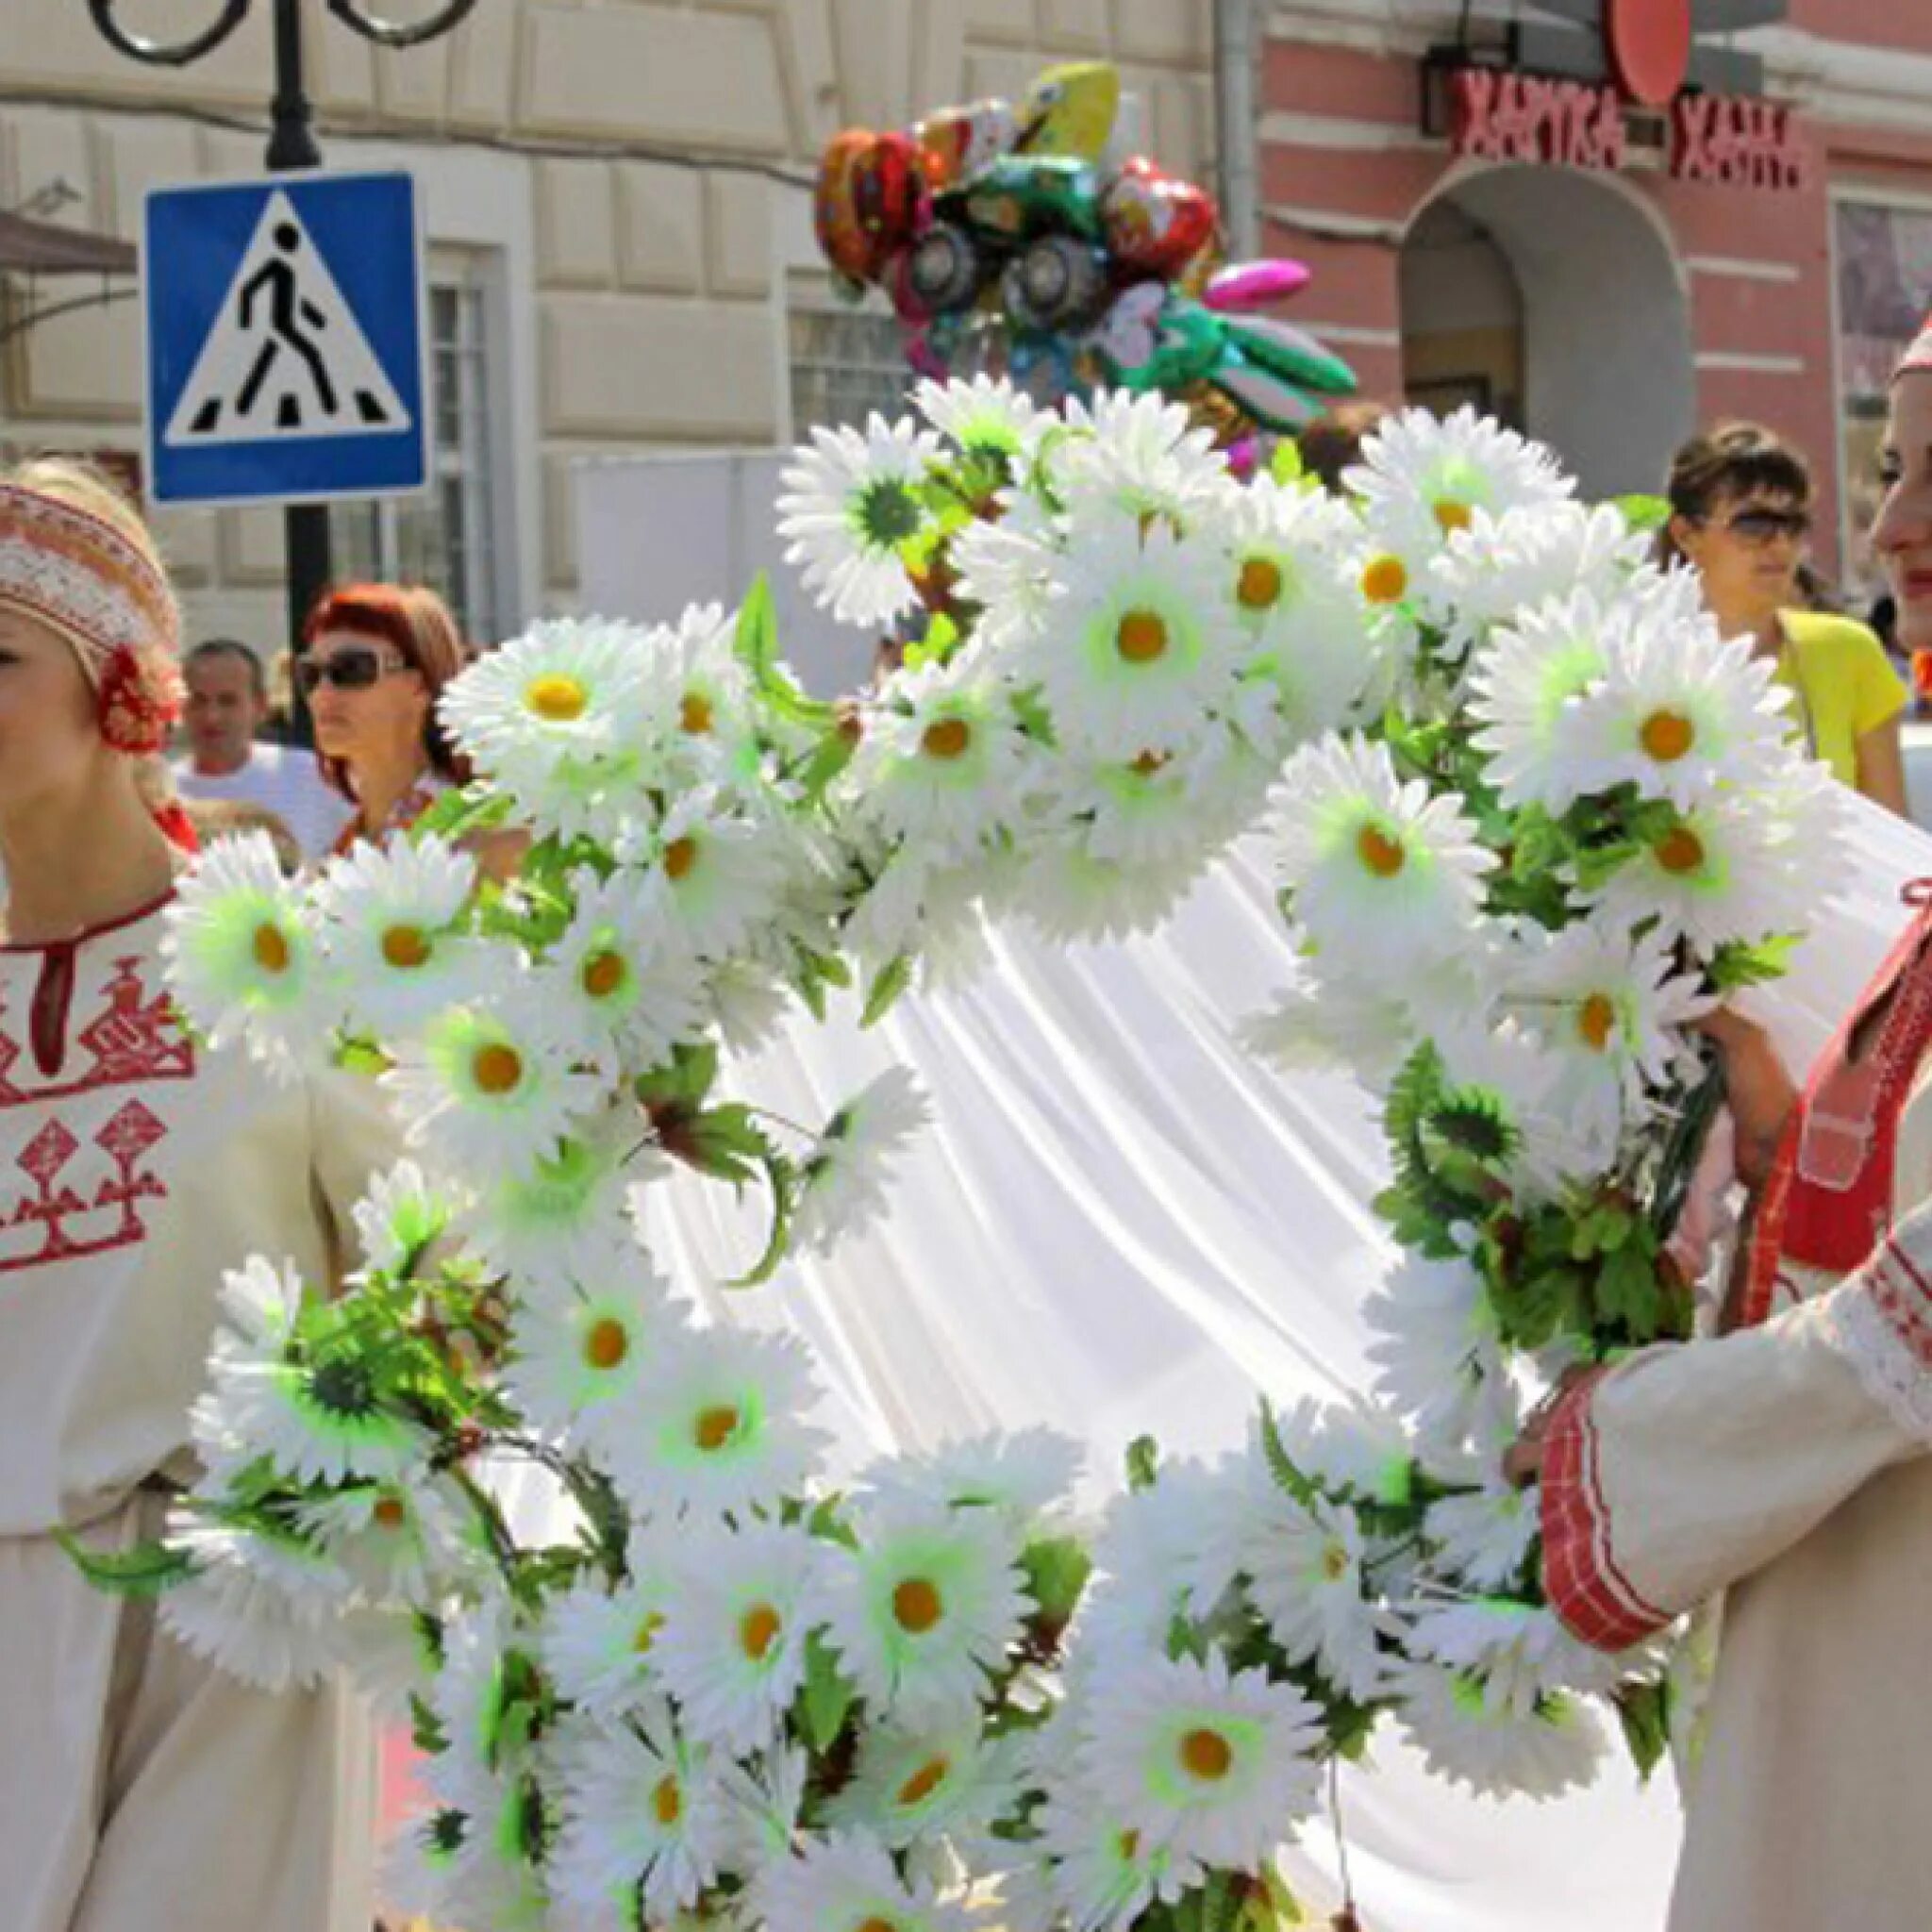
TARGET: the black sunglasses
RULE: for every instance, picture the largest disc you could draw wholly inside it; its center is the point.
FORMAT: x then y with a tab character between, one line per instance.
1767	525
356	667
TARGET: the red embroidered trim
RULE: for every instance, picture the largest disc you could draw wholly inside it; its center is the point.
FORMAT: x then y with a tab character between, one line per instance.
1585	1584
1901	1292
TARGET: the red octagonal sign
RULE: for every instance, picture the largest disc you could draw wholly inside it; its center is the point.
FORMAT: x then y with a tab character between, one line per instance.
1649	43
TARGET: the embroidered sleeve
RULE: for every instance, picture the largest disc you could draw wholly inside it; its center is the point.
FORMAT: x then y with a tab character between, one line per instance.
1586	1585
1881	1322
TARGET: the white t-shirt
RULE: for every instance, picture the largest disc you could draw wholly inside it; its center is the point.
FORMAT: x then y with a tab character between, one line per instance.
286	781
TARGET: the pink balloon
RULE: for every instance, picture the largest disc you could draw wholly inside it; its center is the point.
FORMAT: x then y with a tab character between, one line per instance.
1255	284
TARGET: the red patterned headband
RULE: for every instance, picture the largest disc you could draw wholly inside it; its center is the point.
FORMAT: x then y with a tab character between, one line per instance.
78	572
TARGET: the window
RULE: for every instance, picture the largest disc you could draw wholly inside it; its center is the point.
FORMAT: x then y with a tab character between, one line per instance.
1884	264
444	538
847	360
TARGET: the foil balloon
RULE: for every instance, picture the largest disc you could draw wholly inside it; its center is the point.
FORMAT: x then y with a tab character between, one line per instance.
871	200
960	141
1155	225
1070	111
1244	285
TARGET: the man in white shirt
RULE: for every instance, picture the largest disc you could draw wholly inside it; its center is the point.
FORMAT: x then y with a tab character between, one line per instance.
227	704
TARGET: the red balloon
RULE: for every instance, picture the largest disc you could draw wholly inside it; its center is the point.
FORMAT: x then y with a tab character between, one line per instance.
1155	224
872	200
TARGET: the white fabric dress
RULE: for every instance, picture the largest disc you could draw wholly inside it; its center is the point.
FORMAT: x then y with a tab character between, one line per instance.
140	1789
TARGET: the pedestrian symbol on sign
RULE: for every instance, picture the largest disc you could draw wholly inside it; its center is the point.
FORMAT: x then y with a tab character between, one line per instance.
286	357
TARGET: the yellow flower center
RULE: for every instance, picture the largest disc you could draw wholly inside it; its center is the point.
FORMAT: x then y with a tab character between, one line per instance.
679	857
1385	580
557	697
271	949
947	737
714	1427
1680	851
1382	854
390	1513
406	947
1667	736
1207	1755
1258	587
694	713
1334	1563
875	1924
602	976
667	1802
1452	516
1141	637
1129	1845
1596	1021
497	1068
647	1633
758	1630
925	1781
918	1606
1151	764
607	1343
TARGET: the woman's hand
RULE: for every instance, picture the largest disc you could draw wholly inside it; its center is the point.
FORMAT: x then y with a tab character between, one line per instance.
1760	1092
1522	1462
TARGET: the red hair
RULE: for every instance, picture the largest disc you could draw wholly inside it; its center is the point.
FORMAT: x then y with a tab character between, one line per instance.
416	623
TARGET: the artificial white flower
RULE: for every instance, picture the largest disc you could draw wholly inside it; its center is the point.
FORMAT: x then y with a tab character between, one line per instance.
401	1214
600	1642
398	1542
390	929
1611	1009
1129	459
925	1610
843	1882
987	417
1213	1765
263	1612
1167	810
841	1181
732	1652
1422	478
1023	1474
1383	874
617	992
947	1780
1483	1538
581	1338
1071	896
1139	645
488	1086
1436	1345
1095	1870
1502	1069
243	961
557	719
644	1819
850	504
1519	1653
1304	1574
700	699
1559	1747
1004	565
711	872
720	1424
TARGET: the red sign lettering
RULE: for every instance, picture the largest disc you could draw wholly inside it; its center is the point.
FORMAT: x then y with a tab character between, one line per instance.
1736	143
1496	115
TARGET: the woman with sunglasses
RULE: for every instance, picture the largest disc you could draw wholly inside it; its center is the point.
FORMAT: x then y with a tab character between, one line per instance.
142	1788
1740	514
375	657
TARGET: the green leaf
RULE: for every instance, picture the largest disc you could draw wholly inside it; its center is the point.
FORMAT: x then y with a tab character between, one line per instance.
146	1569
1737	964
361	1056
684	1080
1144	1463
458	814
827	1698
1644	1712
782	1179
1286	465
829	759
756	644
1629	1293
884	993
1056	1570
1644	512
1281	1465
723	1142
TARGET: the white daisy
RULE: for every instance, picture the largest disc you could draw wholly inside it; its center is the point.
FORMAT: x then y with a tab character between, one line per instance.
850	504
1139	646
392	930
1326	1021
1023	1475
619	992
1165	809
1132	457
555	716
1382	872
1503	1068
398	1542
581	1338
700	698
987	417
600	1643
720	1424
842	1181
925	1610
264	1615
401	1215
1434	1346
711	872
1422	478
846	1883
241	957
1519	1653
1212	1764
1483	1538
1559	1747
645	1818
1070	897
1003	565
948	1780
1096	1872
1612	1011
732	1651
488	1086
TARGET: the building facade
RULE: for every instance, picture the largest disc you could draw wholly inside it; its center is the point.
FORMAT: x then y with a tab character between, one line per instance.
618	197
1609	271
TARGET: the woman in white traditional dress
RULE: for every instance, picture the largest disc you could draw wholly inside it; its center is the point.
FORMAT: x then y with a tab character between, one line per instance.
141	1790
1787	1463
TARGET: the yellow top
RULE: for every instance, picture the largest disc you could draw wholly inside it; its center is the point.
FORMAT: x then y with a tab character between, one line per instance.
1845	685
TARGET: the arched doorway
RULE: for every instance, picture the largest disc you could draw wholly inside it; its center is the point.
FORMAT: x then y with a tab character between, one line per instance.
1559	294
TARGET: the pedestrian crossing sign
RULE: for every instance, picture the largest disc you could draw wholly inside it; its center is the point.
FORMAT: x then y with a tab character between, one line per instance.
285	339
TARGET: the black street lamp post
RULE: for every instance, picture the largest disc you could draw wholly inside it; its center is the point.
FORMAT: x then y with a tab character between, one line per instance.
290	146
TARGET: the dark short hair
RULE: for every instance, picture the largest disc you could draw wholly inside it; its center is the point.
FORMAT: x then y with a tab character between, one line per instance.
1734	461
234	647
1333	443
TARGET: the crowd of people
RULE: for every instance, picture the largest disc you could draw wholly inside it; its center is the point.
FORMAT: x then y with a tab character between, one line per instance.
130	1770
